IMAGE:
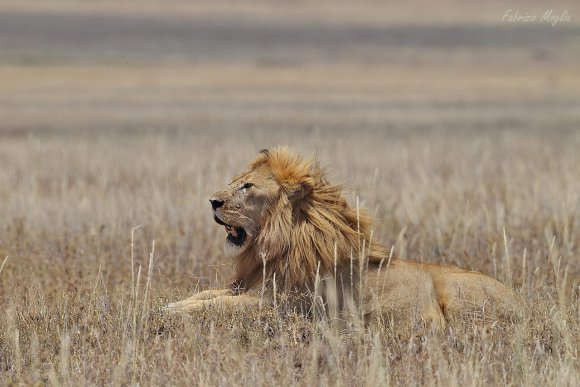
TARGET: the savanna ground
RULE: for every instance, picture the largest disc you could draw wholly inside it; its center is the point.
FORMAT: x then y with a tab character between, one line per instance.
459	133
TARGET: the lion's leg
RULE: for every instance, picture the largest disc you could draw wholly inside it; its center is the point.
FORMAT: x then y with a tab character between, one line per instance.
205	295
224	302
212	293
406	295
478	296
433	316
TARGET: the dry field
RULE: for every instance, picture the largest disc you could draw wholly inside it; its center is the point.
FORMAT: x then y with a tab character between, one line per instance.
459	134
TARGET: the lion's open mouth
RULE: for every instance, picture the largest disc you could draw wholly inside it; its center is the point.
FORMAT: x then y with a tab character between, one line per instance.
236	235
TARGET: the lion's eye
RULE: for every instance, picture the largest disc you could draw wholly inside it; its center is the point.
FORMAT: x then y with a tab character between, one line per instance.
247	185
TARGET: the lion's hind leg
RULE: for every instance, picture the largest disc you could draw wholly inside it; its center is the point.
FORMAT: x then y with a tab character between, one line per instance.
405	295
477	297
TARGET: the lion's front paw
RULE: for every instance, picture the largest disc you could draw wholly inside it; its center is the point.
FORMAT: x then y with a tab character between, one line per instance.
184	306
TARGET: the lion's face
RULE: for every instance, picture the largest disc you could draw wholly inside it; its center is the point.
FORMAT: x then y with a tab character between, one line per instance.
241	206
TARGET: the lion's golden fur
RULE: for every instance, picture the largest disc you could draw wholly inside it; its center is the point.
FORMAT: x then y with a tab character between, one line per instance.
308	234
309	227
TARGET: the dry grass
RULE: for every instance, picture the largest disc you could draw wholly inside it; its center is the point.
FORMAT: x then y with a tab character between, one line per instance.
465	154
76	312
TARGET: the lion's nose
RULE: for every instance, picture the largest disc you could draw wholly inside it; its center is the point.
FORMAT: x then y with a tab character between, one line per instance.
215	203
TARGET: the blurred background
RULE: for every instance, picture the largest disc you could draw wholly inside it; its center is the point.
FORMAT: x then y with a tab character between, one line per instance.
108	67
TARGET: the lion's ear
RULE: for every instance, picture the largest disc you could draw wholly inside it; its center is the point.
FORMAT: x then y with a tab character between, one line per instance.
274	238
300	190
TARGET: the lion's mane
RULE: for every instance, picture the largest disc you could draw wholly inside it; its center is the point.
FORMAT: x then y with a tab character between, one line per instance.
308	230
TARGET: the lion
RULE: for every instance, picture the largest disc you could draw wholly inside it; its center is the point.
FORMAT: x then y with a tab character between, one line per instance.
295	240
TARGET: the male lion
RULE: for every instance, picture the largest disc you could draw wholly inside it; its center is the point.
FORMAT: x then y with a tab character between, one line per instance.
295	240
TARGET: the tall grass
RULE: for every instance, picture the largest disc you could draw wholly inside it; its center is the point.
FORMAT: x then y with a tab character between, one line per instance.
82	286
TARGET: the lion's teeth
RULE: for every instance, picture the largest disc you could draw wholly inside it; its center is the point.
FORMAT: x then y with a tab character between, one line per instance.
231	230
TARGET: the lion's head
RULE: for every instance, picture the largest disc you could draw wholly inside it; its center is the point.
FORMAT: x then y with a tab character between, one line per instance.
282	211
271	184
